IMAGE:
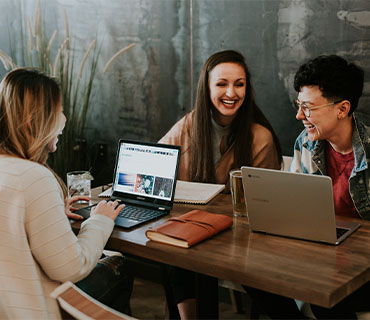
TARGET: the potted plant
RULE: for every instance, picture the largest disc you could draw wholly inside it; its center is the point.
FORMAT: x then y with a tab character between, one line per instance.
76	79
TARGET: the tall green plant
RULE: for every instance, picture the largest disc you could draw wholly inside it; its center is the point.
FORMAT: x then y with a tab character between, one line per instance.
76	84
76	93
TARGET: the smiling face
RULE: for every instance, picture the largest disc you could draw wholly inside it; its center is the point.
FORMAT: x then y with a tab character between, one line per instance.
323	122
227	87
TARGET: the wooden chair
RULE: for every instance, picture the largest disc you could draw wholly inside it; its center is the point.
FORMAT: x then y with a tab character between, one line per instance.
76	304
236	291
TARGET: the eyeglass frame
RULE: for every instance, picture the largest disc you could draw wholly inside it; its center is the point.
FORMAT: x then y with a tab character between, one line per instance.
298	106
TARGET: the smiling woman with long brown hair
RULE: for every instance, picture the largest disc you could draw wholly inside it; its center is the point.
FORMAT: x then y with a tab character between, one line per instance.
38	249
226	130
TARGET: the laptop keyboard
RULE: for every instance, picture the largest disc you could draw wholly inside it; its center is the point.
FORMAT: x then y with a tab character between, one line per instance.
340	232
139	213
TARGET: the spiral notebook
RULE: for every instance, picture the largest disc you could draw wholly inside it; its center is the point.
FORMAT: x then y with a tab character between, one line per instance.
188	192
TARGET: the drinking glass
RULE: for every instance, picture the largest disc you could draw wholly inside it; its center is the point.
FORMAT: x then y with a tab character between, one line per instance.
237	193
79	184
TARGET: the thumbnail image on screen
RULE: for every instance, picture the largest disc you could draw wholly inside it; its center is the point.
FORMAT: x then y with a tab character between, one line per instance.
146	170
144	184
163	187
127	180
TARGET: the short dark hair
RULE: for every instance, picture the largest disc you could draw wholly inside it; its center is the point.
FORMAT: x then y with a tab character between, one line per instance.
336	78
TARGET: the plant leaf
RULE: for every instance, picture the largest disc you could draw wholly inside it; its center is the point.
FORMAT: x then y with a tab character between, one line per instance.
111	60
92	45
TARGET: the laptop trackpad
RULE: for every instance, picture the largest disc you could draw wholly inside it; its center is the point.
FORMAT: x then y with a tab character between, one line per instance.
85	212
125	222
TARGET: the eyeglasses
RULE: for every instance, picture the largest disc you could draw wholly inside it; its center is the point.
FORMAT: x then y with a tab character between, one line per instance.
307	110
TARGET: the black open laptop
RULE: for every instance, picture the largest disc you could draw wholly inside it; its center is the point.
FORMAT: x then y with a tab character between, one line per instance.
144	179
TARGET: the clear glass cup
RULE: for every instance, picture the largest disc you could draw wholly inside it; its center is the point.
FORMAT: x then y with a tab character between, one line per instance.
237	193
79	184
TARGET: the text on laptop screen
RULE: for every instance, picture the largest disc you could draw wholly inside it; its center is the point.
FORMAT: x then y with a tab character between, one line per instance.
146	170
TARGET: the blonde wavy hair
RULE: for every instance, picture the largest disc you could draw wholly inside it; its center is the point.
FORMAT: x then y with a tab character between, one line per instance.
30	102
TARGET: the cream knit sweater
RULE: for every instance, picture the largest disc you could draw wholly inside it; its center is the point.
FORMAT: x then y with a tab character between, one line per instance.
38	249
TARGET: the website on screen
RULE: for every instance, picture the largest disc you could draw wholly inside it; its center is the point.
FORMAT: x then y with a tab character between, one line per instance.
146	170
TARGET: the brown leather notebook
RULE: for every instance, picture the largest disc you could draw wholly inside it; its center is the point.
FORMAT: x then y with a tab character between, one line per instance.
190	228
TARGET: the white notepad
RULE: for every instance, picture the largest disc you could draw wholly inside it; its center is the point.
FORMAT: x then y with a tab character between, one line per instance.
196	192
106	194
188	192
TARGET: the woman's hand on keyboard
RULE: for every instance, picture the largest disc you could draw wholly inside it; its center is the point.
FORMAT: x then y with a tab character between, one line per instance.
69	206
110	209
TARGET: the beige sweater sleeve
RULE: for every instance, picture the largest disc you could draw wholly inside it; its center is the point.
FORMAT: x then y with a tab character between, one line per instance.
177	135
61	254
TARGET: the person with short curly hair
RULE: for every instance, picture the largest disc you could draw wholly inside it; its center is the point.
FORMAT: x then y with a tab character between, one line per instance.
335	143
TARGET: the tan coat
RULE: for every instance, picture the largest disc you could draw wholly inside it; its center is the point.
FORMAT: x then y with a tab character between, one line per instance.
263	151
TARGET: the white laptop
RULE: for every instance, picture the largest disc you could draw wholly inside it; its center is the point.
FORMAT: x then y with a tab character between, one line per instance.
293	205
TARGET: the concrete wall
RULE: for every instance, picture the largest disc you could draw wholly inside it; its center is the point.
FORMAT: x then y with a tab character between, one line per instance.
153	85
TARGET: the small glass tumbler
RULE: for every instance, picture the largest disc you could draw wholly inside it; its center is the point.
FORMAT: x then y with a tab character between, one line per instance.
79	184
237	193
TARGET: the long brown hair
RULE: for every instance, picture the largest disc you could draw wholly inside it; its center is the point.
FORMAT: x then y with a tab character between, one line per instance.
29	109
202	165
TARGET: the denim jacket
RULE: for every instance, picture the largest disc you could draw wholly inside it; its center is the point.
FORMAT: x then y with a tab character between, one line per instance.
309	157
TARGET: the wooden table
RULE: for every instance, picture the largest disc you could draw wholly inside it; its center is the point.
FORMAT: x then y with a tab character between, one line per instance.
312	272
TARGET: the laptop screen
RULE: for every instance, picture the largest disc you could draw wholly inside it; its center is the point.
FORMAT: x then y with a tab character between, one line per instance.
146	170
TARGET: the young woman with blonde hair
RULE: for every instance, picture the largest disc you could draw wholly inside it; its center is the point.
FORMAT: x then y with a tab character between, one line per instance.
38	249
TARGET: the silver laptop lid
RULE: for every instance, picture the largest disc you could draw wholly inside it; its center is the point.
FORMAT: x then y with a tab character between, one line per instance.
290	204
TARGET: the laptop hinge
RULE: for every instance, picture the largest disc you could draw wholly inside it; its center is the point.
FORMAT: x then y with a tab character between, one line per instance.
142	204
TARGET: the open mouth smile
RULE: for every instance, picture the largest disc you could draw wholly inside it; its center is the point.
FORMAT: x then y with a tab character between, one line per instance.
229	103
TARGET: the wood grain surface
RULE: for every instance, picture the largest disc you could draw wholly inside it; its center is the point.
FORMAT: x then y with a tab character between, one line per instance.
312	272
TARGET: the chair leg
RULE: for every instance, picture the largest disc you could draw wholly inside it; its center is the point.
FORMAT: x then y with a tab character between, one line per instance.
236	301
207	297
251	309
